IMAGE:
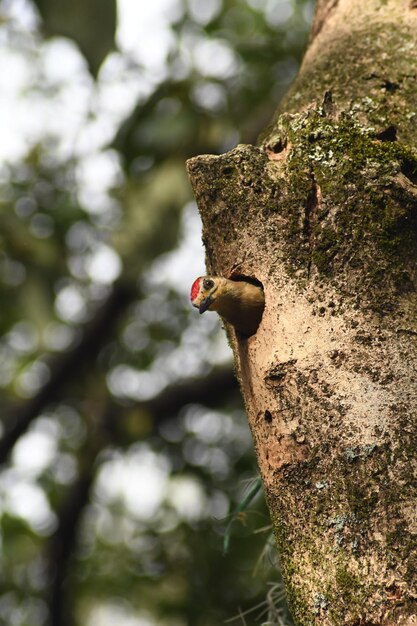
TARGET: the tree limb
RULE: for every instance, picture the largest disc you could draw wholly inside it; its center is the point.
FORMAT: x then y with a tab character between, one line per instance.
70	364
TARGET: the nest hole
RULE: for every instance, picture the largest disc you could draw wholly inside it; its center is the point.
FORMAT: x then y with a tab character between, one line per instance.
255	317
248	279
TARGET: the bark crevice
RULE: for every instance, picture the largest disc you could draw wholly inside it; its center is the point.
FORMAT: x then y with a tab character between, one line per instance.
310	217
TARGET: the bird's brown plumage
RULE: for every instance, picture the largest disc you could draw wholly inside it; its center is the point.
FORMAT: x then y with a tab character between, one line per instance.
239	302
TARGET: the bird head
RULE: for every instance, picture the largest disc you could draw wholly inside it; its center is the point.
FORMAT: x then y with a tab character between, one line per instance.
203	292
239	302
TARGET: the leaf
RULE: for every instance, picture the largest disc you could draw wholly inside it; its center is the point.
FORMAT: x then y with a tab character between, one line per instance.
238	512
90	23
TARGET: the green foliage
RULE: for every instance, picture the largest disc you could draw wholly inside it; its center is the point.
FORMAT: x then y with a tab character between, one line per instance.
122	453
78	21
239	512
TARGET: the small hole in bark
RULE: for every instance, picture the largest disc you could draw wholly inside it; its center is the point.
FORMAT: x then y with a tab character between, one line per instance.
268	417
278	147
390	86
389	134
249	279
254	313
328	106
409	169
227	171
413	4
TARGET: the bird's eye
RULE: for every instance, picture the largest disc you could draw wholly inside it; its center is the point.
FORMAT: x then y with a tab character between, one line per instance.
208	283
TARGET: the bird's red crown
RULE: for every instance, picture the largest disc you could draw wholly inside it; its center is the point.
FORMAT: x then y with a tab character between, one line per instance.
195	288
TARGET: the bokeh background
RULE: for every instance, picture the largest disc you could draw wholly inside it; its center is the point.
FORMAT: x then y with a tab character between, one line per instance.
124	446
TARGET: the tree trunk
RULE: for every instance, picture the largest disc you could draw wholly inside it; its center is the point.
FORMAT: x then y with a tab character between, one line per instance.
324	213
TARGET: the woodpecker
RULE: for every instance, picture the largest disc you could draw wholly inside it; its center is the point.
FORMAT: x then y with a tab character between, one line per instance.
239	302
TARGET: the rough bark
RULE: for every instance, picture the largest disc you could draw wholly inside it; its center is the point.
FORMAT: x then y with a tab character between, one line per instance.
324	213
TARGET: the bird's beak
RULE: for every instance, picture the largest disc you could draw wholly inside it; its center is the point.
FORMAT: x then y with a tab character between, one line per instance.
205	304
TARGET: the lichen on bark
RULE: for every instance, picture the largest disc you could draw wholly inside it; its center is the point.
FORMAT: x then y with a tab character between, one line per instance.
333	161
324	213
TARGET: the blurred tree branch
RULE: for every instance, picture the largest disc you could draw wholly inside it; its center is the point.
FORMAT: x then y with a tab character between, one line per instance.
210	390
70	364
77	21
61	545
